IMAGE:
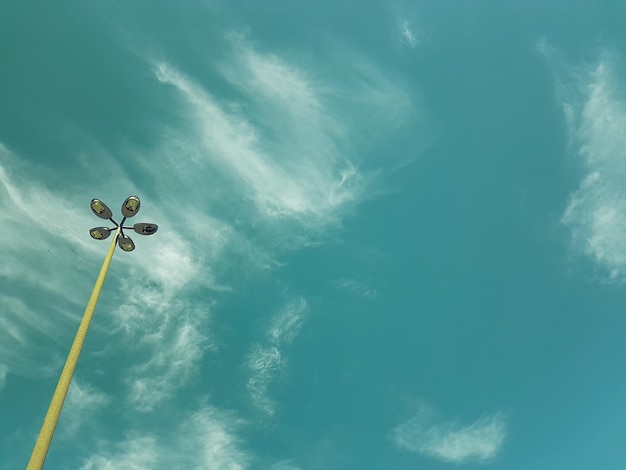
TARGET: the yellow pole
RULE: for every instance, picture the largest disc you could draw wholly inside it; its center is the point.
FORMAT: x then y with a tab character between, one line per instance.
42	445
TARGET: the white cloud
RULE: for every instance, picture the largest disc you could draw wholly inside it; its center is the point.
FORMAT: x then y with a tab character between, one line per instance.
408	34
39	242
3	376
309	184
282	154
596	212
133	453
213	435
479	441
285	465
266	361
83	401
26	337
174	358
286	324
158	319
357	287
205	440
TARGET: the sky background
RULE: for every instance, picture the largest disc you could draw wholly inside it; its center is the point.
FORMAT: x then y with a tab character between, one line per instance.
392	235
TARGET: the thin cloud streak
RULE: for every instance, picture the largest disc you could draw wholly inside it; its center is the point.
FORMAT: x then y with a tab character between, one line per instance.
285	465
206	439
267	361
168	369
133	453
479	441
287	323
156	319
357	287
596	211
265	364
214	435
291	154
407	34
29	340
301	188
39	238
83	401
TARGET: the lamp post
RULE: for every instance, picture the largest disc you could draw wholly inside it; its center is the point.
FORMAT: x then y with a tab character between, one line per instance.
130	207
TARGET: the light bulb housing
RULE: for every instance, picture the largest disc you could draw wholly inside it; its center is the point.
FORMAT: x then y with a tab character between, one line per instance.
131	206
101	209
125	243
144	228
100	233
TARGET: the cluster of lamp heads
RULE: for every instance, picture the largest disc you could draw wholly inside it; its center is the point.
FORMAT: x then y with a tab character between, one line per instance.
130	207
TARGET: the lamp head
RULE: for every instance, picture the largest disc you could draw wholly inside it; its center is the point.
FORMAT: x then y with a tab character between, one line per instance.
100	233
125	243
101	209
145	228
131	206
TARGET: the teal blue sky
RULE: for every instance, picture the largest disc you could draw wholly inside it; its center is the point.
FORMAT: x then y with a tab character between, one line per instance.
392	235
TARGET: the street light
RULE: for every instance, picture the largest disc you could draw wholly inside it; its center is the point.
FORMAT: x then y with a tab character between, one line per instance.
130	207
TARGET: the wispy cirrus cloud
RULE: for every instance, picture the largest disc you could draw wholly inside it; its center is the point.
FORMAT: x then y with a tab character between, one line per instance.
214	434
306	183
265	364
266	361
156	320
24	339
34	245
83	401
39	239
450	441
408	34
133	453
286	143
285	465
595	111
174	359
205	439
286	324
357	287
